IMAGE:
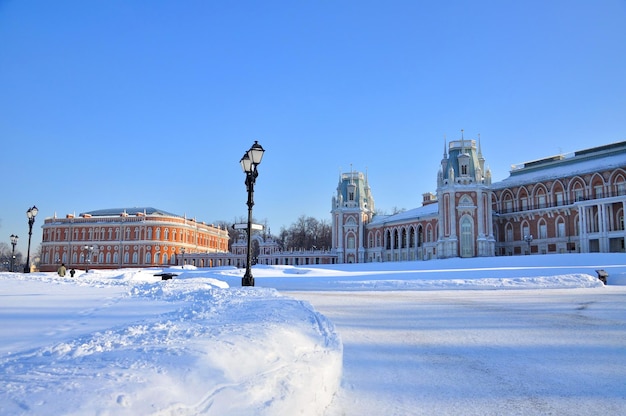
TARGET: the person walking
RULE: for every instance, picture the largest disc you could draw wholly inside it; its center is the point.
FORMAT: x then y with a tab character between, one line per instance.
61	270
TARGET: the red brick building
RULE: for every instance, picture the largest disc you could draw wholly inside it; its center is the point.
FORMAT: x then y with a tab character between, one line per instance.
565	203
126	237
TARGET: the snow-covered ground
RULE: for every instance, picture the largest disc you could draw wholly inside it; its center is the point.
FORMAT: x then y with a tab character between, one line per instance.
503	335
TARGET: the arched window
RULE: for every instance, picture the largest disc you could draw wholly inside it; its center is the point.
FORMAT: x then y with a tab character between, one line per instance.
148	258
543	229
508	233
467	237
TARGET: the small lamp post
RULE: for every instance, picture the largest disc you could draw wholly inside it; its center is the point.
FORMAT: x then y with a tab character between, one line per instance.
89	249
182	253
31	214
13	243
249	162
529	239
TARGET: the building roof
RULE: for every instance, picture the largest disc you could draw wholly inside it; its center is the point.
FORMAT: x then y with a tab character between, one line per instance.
411	214
581	162
115	212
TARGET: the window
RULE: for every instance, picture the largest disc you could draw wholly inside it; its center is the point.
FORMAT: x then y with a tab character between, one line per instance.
561	229
166	234
559	198
578	195
467	245
543	230
524	204
148	258
541	201
509	205
598	191
509	233
351	242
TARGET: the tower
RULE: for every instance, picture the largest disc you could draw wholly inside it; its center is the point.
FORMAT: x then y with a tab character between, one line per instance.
352	208
464	195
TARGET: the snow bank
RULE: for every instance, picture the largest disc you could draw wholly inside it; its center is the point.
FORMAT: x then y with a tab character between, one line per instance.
207	350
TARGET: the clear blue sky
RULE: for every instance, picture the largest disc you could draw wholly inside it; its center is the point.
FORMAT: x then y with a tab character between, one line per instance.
152	103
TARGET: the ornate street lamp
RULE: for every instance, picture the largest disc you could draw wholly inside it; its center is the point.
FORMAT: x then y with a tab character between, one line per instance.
528	239
182	253
249	162
89	250
31	214
13	243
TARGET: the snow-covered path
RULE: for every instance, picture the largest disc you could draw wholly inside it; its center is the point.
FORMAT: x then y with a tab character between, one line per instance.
531	352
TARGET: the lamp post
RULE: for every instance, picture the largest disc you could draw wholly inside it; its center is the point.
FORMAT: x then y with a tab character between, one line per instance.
89	250
31	214
182	253
528	239
249	162
13	243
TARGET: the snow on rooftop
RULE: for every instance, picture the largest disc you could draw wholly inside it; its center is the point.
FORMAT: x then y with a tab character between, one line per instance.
578	163
423	211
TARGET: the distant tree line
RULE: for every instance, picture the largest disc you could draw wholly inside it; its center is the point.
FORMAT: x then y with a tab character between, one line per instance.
6	254
307	233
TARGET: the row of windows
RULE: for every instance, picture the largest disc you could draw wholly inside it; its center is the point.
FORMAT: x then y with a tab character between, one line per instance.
112	258
113	234
522	200
405	237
